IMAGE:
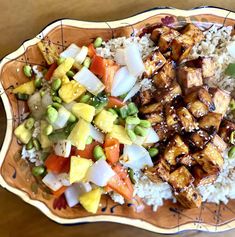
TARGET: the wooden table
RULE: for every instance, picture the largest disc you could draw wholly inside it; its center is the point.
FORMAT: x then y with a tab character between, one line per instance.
20	20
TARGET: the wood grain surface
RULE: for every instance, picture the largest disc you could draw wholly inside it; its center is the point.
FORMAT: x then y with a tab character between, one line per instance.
20	20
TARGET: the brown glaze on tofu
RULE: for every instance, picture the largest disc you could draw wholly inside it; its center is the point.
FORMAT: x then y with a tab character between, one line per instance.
165	75
221	100
157	32
219	143
171	117
162	131
145	97
189	77
187	160
193	32
199	139
210	122
205	97
153	63
226	128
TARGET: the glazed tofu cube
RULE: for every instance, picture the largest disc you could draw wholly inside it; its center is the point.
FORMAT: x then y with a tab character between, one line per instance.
219	143
186	119
162	131
226	128
210	122
181	178
210	159
171	116
153	63
174	149
189	198
165	75
157	32
168	94
205	97
145	97
193	32
201	177
181	47
221	99
187	160
160	171
199	139
189	77
153	112
207	65
165	40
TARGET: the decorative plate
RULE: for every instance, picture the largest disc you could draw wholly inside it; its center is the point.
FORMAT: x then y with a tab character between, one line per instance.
15	173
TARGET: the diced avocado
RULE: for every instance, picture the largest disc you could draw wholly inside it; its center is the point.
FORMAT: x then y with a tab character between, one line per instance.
44	140
85	111
119	133
79	134
23	134
63	68
91	200
70	91
105	120
26	88
78	168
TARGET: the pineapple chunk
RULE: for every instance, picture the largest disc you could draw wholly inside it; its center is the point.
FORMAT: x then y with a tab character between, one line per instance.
84	111
79	134
63	68
26	88
44	140
23	134
91	200
71	91
119	133
78	168
65	80
104	120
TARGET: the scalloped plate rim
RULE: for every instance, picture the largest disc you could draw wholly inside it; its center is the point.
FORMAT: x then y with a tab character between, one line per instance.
9	130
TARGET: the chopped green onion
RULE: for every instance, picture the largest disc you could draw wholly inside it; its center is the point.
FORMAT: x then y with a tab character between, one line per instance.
87	62
56	105
29	145
38	82
72	118
38	170
230	70
140	131
89	140
36	144
27	70
98	153
52	114
131	135
29	123
132	109
56	84
132	120
98	42
85	98
70	73
113	111
231	153
57	99
153	151
145	124
123	111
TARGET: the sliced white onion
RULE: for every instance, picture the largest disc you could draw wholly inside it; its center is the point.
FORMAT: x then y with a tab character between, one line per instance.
70	52
80	57
133	60
84	187
119	56
152	136
231	49
52	181
100	173
72	195
62	148
46	100
137	157
123	82
92	83
96	134
63	116
35	105
135	89
69	106
64	179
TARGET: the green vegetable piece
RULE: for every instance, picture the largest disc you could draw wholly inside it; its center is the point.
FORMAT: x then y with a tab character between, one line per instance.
85	98
27	70
145	124
56	84
98	42
69	128
123	111
57	136
232	104
53	93
72	118
36	144
140	131
52	114
44	71
42	93
29	145
131	175
230	70
231	153
123	96
98	153
113	111
60	60
29	123
56	99
89	140
70	73
99	102
132	120
48	129
38	82
131	134
87	62
21	96
153	151
38	170
132	109
56	105
232	137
